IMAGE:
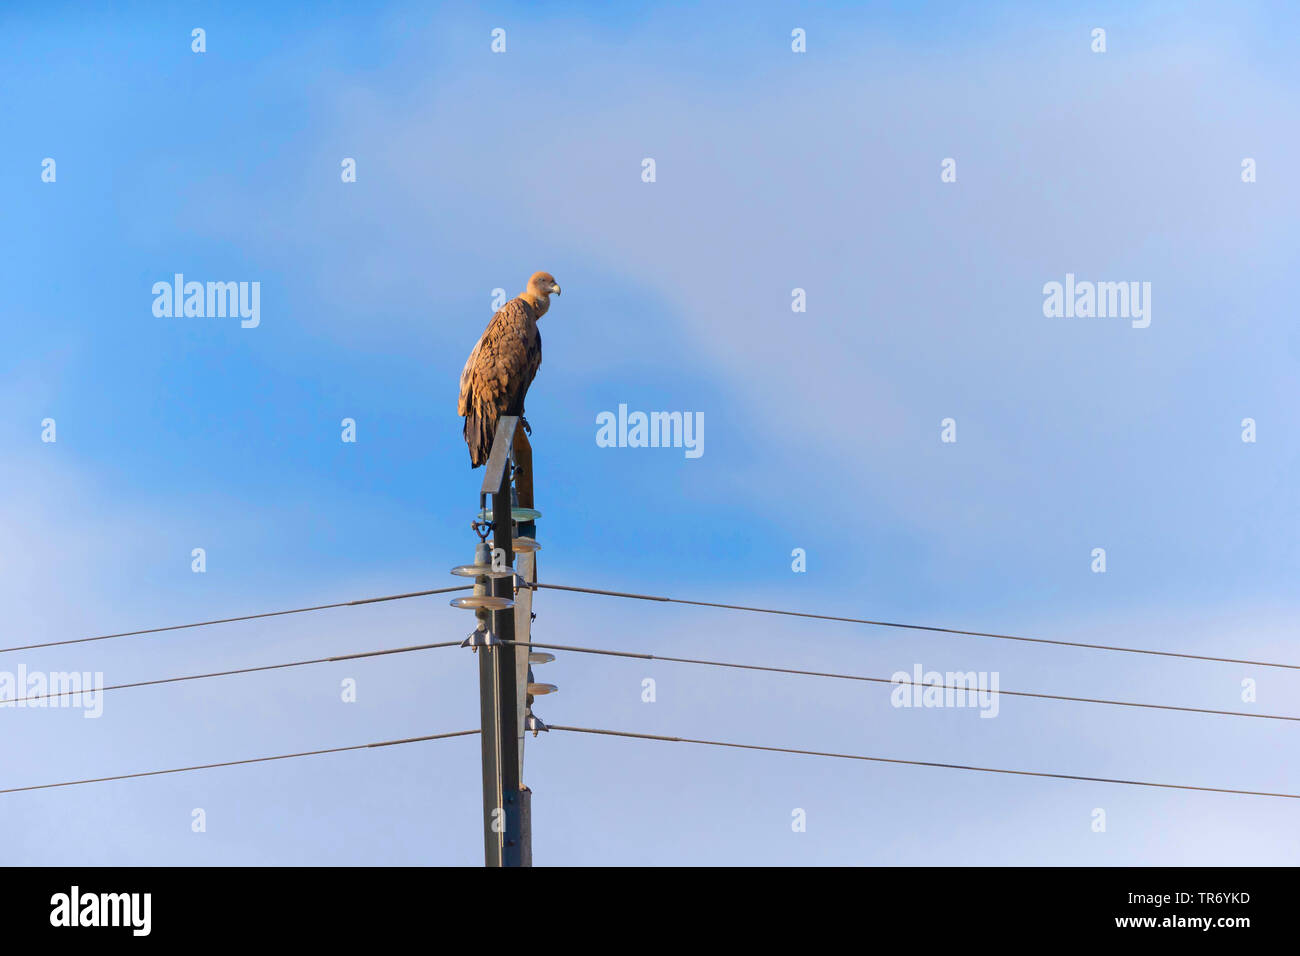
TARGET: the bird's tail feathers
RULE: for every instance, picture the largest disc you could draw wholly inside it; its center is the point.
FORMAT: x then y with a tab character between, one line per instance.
478	436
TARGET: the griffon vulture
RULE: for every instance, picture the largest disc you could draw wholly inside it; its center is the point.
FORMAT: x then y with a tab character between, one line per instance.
502	365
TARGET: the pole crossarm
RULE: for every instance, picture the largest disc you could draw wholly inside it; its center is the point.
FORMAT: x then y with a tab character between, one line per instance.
500	454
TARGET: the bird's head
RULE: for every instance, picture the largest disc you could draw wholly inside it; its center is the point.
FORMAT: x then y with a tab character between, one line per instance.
542	285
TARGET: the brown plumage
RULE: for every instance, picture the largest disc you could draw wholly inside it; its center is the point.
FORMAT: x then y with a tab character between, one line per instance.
502	365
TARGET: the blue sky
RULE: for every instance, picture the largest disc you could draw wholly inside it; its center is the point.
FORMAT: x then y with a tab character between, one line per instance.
775	170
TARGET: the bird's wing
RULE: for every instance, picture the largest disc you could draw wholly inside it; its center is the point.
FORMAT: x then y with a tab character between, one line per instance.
466	379
503	363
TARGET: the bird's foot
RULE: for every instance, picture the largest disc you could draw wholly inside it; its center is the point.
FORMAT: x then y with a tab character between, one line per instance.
528	429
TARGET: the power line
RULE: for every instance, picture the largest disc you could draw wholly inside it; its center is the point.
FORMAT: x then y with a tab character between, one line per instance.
915	627
906	683
230	620
234	763
922	763
9	702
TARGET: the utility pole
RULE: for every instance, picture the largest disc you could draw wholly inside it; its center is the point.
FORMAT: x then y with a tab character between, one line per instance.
498	685
523	454
519	661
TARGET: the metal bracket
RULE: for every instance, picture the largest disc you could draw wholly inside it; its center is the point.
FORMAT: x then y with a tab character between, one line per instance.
481	637
500	454
534	723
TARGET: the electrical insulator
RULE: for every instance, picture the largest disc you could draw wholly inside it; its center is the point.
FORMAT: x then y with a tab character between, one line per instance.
481	602
525	545
482	566
517	515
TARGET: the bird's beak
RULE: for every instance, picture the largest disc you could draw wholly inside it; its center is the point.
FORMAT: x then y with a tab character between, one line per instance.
555	289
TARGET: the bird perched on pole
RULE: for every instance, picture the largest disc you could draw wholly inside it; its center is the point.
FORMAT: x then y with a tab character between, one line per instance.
502	366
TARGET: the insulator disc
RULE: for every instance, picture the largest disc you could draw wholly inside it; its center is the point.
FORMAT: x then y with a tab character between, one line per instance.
481	571
488	602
